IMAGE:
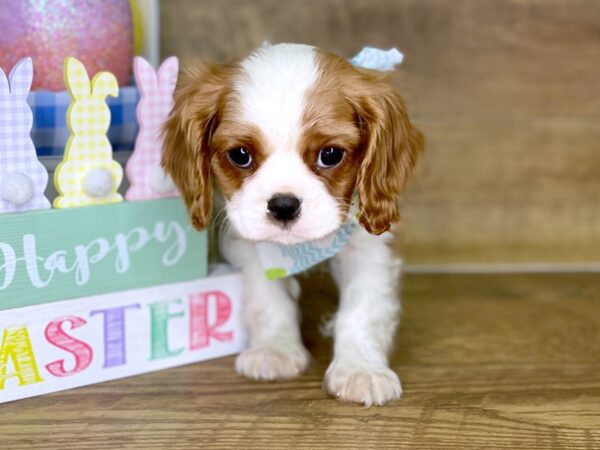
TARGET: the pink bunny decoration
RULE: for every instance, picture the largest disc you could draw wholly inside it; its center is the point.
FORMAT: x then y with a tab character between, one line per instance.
23	178
146	176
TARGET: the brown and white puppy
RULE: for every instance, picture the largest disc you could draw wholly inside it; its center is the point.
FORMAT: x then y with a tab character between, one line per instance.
290	133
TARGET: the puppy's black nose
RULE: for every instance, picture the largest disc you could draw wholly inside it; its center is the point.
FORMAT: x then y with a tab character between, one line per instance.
284	207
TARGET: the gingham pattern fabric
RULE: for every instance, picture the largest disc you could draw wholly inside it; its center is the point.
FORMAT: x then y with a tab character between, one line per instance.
280	260
17	152
156	90
50	132
315	252
88	147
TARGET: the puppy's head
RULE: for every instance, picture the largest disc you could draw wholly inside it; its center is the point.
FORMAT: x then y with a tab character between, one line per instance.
290	134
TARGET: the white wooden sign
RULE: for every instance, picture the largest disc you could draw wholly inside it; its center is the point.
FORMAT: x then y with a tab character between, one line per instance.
62	345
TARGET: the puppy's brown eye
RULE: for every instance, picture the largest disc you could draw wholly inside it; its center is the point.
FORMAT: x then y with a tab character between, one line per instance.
330	157
240	157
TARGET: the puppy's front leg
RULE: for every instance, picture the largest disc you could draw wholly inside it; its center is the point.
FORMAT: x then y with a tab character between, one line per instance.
367	275
271	316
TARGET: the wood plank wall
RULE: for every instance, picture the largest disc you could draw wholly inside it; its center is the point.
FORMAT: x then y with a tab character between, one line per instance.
507	93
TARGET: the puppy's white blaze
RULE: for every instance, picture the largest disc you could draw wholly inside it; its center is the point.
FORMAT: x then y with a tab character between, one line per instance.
272	91
283	172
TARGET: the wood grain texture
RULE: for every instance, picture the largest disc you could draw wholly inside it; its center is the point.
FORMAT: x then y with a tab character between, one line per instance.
506	92
531	184
494	58
486	362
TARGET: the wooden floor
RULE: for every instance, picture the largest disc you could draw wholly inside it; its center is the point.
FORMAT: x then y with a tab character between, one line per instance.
487	361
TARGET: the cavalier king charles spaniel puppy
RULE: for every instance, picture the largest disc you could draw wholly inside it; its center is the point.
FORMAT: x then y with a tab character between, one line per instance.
292	135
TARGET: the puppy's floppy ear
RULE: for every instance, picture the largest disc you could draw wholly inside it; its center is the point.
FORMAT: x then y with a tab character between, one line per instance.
391	145
198	99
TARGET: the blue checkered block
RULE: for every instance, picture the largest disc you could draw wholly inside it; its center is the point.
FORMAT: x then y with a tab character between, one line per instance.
50	133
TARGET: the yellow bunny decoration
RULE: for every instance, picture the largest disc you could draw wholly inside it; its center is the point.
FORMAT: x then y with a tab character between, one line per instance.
87	174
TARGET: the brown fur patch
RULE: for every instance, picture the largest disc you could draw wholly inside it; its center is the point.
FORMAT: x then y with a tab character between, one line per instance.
329	121
199	99
381	144
228	135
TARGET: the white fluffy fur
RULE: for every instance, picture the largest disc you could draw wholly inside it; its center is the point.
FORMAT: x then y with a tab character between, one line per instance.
272	93
366	273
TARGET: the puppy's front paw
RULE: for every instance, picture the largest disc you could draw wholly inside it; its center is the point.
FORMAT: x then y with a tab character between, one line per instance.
369	385
273	362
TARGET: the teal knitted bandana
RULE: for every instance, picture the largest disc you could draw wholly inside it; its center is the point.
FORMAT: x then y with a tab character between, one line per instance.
280	260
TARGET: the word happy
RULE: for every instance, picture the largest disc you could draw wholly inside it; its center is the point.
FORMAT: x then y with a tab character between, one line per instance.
79	260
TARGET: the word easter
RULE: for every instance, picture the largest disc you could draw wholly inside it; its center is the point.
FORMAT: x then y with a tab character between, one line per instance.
57	346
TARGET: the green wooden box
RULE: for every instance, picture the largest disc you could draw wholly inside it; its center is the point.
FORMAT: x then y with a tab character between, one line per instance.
52	255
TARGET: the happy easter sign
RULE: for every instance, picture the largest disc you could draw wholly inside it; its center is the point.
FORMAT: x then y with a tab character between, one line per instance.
53	255
56	346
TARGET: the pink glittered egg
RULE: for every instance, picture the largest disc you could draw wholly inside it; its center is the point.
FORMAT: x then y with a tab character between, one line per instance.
98	33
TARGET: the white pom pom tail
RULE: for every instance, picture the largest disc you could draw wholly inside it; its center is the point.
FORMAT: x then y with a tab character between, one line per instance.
16	188
98	182
159	181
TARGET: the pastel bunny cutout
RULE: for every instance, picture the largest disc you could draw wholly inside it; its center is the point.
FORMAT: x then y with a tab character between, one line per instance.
146	177
23	178
88	175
